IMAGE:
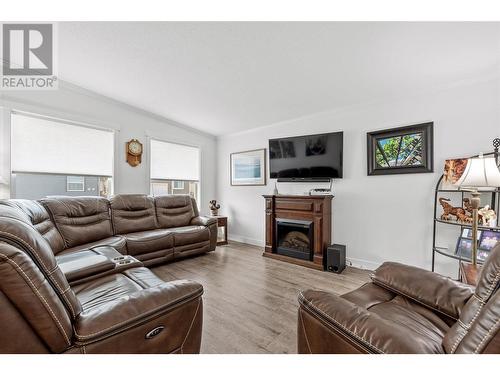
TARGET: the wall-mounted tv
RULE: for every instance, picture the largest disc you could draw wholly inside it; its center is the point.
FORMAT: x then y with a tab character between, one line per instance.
316	157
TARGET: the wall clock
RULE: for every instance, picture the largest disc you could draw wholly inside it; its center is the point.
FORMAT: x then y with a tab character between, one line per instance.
134	152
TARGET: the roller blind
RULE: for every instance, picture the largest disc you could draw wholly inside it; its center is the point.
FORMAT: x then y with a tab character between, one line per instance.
172	161
42	145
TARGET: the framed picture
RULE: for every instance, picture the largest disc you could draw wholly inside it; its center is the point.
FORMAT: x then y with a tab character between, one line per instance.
467	233
464	248
489	239
453	170
409	149
248	168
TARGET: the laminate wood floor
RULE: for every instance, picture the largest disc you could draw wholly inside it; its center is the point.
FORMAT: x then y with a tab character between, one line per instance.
250	302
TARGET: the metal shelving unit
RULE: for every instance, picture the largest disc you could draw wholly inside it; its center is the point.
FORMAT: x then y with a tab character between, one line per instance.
438	222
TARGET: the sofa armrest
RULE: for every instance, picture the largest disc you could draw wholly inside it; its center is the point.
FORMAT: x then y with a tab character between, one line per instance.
134	309
331	324
203	220
428	288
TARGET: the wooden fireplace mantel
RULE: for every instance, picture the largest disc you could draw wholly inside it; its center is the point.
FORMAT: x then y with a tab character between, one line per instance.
316	208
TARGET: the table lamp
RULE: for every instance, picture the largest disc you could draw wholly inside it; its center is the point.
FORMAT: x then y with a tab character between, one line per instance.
480	174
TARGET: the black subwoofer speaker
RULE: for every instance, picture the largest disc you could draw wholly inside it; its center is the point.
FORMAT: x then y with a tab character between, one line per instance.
335	258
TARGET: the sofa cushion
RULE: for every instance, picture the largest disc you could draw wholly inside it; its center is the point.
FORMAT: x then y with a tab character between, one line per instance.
98	292
388	304
40	219
149	241
116	242
132	213
80	219
174	210
190	234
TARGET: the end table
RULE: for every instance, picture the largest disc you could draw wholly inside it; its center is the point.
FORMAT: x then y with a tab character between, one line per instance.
221	230
469	274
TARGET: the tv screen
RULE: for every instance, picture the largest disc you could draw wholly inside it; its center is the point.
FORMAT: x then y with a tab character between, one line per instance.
306	158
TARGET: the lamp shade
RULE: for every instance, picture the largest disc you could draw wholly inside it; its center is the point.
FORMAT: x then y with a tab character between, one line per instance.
481	172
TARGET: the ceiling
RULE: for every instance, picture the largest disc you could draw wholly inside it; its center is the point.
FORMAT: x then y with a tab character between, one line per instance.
223	78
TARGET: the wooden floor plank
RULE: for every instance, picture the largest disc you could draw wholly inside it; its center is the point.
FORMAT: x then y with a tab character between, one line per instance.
250	302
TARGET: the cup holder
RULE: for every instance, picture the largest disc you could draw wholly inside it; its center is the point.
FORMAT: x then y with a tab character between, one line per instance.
117	259
124	262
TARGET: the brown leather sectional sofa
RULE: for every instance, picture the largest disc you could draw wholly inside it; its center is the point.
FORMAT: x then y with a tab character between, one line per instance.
405	310
72	275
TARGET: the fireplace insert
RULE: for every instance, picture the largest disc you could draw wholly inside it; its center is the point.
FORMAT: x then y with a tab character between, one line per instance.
294	238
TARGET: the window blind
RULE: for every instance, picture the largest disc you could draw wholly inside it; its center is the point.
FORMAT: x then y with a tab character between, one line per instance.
172	161
42	145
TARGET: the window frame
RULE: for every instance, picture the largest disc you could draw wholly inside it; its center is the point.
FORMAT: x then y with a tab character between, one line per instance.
181	143
68	177
179	188
7	112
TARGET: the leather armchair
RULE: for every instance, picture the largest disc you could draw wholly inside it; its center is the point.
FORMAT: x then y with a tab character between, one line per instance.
405	310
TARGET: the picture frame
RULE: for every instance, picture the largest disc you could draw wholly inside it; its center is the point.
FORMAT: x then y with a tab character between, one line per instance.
467	233
489	239
464	248
402	150
248	168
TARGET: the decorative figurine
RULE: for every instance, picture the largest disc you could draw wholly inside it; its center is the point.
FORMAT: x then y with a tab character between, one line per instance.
468	208
488	216
214	207
459	212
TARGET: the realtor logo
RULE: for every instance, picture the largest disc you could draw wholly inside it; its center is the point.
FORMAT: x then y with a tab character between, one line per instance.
28	56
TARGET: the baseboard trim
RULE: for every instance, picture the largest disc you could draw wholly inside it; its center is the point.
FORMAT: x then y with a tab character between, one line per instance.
247	240
362	263
354	262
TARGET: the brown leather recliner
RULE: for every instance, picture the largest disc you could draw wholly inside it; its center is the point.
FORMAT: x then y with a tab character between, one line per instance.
90	300
405	310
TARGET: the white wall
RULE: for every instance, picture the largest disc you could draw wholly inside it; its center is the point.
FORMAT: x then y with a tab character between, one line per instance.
76	104
379	218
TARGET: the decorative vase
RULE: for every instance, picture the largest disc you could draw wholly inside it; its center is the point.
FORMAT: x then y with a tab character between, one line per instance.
215	212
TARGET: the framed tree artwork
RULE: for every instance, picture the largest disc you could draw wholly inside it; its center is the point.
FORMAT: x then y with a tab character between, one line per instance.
408	149
248	168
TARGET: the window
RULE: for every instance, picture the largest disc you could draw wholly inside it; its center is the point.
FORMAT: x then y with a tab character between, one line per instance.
175	169
52	157
178	185
75	183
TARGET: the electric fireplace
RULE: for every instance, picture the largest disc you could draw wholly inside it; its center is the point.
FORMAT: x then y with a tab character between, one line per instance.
294	238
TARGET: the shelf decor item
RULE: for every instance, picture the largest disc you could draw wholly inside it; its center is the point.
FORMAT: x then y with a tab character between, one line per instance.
481	173
449	211
248	168
488	216
214	207
453	170
408	149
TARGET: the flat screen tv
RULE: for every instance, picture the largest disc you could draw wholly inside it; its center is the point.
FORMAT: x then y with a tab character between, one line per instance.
316	157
